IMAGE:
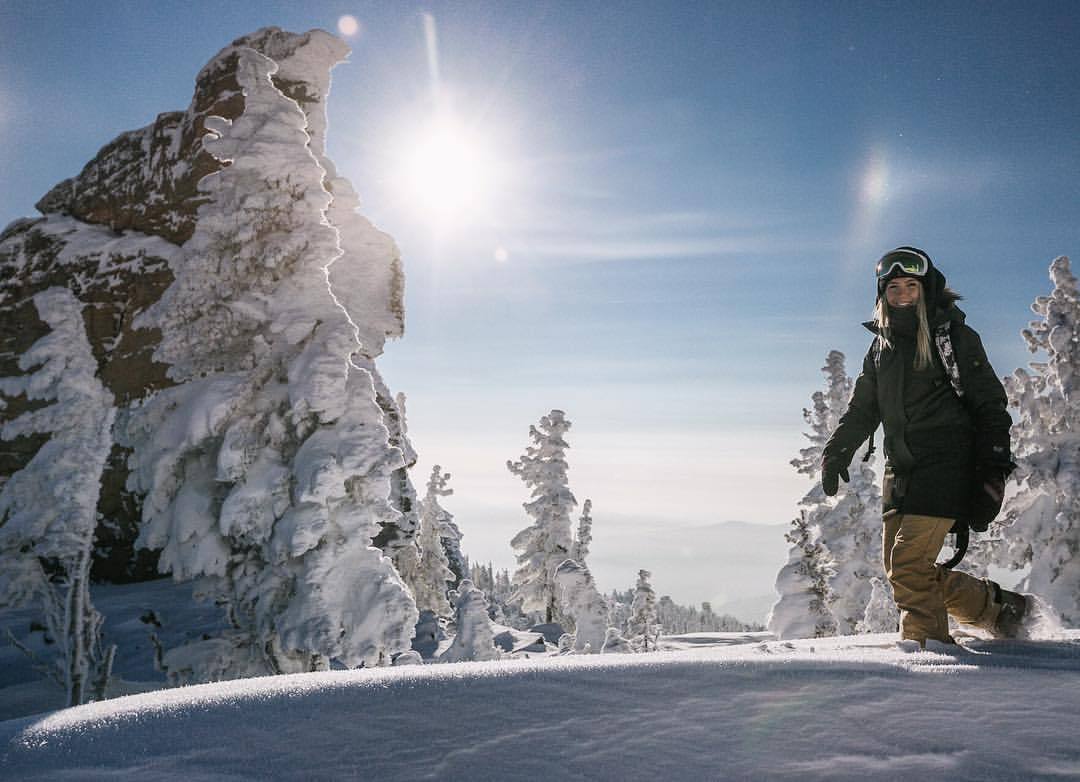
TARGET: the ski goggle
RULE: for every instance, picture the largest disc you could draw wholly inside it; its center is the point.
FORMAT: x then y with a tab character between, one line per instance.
908	261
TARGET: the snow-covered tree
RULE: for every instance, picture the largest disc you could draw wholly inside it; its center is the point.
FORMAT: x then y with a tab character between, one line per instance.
582	603
48	510
450	536
802	610
546	544
669	616
397	535
614	643
881	615
709	621
433	575
1044	513
267	471
496	585
644	625
847	527
580	550
619	605
474	639
428	573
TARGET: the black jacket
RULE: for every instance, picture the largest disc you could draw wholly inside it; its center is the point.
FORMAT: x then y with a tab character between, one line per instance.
935	440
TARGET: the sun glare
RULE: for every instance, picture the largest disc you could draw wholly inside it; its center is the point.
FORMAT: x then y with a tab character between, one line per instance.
348	26
449	172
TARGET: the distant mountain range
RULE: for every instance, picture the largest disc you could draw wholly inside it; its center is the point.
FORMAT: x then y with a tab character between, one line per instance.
732	564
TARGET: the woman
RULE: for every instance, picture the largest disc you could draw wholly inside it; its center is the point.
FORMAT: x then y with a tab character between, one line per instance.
927	380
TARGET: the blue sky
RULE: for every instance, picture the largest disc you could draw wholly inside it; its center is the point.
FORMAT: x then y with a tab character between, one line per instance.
689	201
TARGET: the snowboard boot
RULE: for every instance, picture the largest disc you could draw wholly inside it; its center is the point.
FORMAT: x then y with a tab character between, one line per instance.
1014	610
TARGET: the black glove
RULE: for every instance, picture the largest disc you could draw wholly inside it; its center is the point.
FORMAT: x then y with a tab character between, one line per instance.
831	473
989	491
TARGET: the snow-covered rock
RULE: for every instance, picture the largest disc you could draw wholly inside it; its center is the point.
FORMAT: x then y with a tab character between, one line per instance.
235	303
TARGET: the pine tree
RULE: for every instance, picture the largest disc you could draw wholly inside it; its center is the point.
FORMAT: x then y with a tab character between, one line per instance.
881	615
450	536
644	626
847	528
48	510
433	576
671	616
851	531
619	605
614	643
474	639
580	549
546	544
710	622
583	604
803	585
1044	513
397	535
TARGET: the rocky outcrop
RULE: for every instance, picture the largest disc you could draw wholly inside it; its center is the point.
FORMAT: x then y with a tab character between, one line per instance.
117	236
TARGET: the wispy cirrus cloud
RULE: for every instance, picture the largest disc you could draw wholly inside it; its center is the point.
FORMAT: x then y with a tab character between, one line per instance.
609	249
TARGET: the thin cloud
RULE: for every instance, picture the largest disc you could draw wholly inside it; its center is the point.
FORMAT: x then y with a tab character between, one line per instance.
585	249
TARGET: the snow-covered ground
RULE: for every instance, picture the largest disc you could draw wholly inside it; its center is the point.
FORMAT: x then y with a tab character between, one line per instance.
718	706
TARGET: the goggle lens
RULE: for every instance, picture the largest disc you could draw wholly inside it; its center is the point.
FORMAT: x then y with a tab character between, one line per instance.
908	263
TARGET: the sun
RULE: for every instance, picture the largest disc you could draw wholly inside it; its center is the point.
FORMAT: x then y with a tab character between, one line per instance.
448	171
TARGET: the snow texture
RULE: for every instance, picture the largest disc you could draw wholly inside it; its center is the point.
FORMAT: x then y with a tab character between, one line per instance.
725	705
1044	511
814	710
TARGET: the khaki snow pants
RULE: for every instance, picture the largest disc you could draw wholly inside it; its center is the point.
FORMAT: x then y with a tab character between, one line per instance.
925	592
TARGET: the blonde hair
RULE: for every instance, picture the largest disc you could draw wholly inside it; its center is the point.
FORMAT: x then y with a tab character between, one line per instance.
923	357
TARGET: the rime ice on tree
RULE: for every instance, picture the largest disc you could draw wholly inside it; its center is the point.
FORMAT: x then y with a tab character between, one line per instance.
644	626
580	549
836	541
881	615
1045	513
48	510
268	470
474	639
802	610
582	602
614	643
544	545
850	523
433	575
